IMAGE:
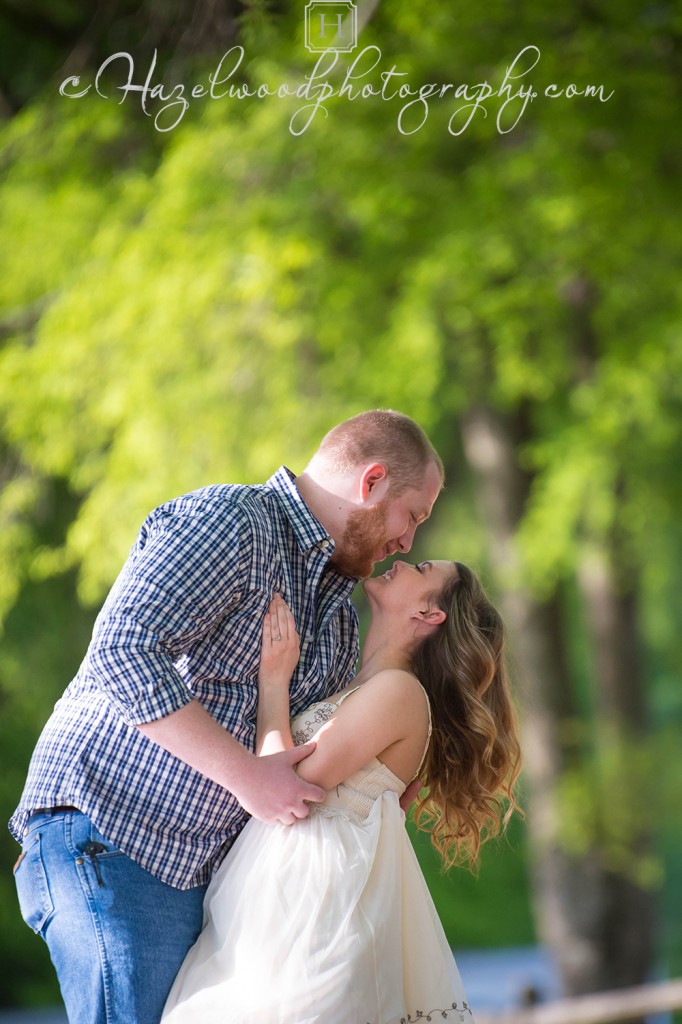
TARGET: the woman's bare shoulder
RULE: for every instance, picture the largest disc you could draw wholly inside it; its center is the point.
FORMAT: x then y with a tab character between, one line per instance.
398	683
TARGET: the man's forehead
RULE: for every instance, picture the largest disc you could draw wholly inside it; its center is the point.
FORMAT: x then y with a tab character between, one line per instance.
431	486
421	499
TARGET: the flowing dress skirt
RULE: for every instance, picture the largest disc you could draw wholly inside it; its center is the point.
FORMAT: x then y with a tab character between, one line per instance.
327	921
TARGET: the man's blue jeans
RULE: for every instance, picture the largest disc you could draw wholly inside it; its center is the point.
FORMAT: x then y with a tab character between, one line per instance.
116	934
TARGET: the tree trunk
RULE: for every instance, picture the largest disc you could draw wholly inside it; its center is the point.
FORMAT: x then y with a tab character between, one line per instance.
586	915
624	919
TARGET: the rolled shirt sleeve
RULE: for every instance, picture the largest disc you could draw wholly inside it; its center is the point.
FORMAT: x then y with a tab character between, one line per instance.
186	571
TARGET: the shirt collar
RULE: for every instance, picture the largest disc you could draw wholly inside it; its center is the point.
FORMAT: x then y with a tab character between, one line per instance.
308	530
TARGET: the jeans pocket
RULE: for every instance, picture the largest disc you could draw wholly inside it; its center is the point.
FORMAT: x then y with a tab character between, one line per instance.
35	900
99	845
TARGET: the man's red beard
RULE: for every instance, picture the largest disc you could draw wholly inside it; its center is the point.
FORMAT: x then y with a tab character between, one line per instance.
363	538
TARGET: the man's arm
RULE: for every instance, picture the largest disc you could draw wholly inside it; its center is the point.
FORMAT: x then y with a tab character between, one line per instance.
183	577
267	787
185	574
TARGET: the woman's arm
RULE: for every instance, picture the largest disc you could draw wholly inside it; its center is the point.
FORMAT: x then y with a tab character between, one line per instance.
388	717
279	657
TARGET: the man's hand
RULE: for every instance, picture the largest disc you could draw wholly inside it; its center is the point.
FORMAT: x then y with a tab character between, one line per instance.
267	787
273	791
410	794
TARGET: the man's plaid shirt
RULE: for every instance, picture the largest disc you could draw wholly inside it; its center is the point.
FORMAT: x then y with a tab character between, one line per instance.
184	621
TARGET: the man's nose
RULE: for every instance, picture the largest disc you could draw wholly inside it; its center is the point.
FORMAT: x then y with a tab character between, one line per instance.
405	540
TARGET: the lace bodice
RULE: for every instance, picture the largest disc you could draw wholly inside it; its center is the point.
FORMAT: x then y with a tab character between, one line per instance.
355	796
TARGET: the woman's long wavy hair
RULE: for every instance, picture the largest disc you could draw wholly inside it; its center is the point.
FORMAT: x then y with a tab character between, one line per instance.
474	757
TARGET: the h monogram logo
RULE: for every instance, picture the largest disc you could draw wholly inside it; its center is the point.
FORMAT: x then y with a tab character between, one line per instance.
331	25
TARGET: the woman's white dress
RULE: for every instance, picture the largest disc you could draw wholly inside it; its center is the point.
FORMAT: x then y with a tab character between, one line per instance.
326	921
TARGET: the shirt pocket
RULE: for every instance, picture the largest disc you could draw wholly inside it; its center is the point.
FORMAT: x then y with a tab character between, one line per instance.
35	899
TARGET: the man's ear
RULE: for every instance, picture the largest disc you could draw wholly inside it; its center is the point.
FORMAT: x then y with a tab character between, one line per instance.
373	479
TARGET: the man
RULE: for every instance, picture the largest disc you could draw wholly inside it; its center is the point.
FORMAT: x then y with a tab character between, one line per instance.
144	774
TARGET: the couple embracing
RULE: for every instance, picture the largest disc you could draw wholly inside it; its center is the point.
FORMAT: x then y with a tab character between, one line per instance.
222	682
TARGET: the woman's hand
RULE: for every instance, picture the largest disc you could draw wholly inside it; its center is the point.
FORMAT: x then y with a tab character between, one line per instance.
279	646
278	658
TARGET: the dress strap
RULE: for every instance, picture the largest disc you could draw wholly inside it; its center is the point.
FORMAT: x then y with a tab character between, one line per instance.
341	699
428	735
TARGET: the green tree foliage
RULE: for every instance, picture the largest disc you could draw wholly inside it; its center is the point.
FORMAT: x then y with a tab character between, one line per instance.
242	272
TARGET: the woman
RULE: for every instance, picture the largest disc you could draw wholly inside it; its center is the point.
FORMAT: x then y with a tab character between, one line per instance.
329	921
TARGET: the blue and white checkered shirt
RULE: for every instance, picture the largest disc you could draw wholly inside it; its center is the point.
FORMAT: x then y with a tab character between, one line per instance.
184	621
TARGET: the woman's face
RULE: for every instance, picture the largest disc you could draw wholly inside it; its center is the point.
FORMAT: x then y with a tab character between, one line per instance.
409	587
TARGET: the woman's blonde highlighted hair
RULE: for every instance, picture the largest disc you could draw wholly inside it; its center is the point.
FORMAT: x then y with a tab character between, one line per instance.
474	757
